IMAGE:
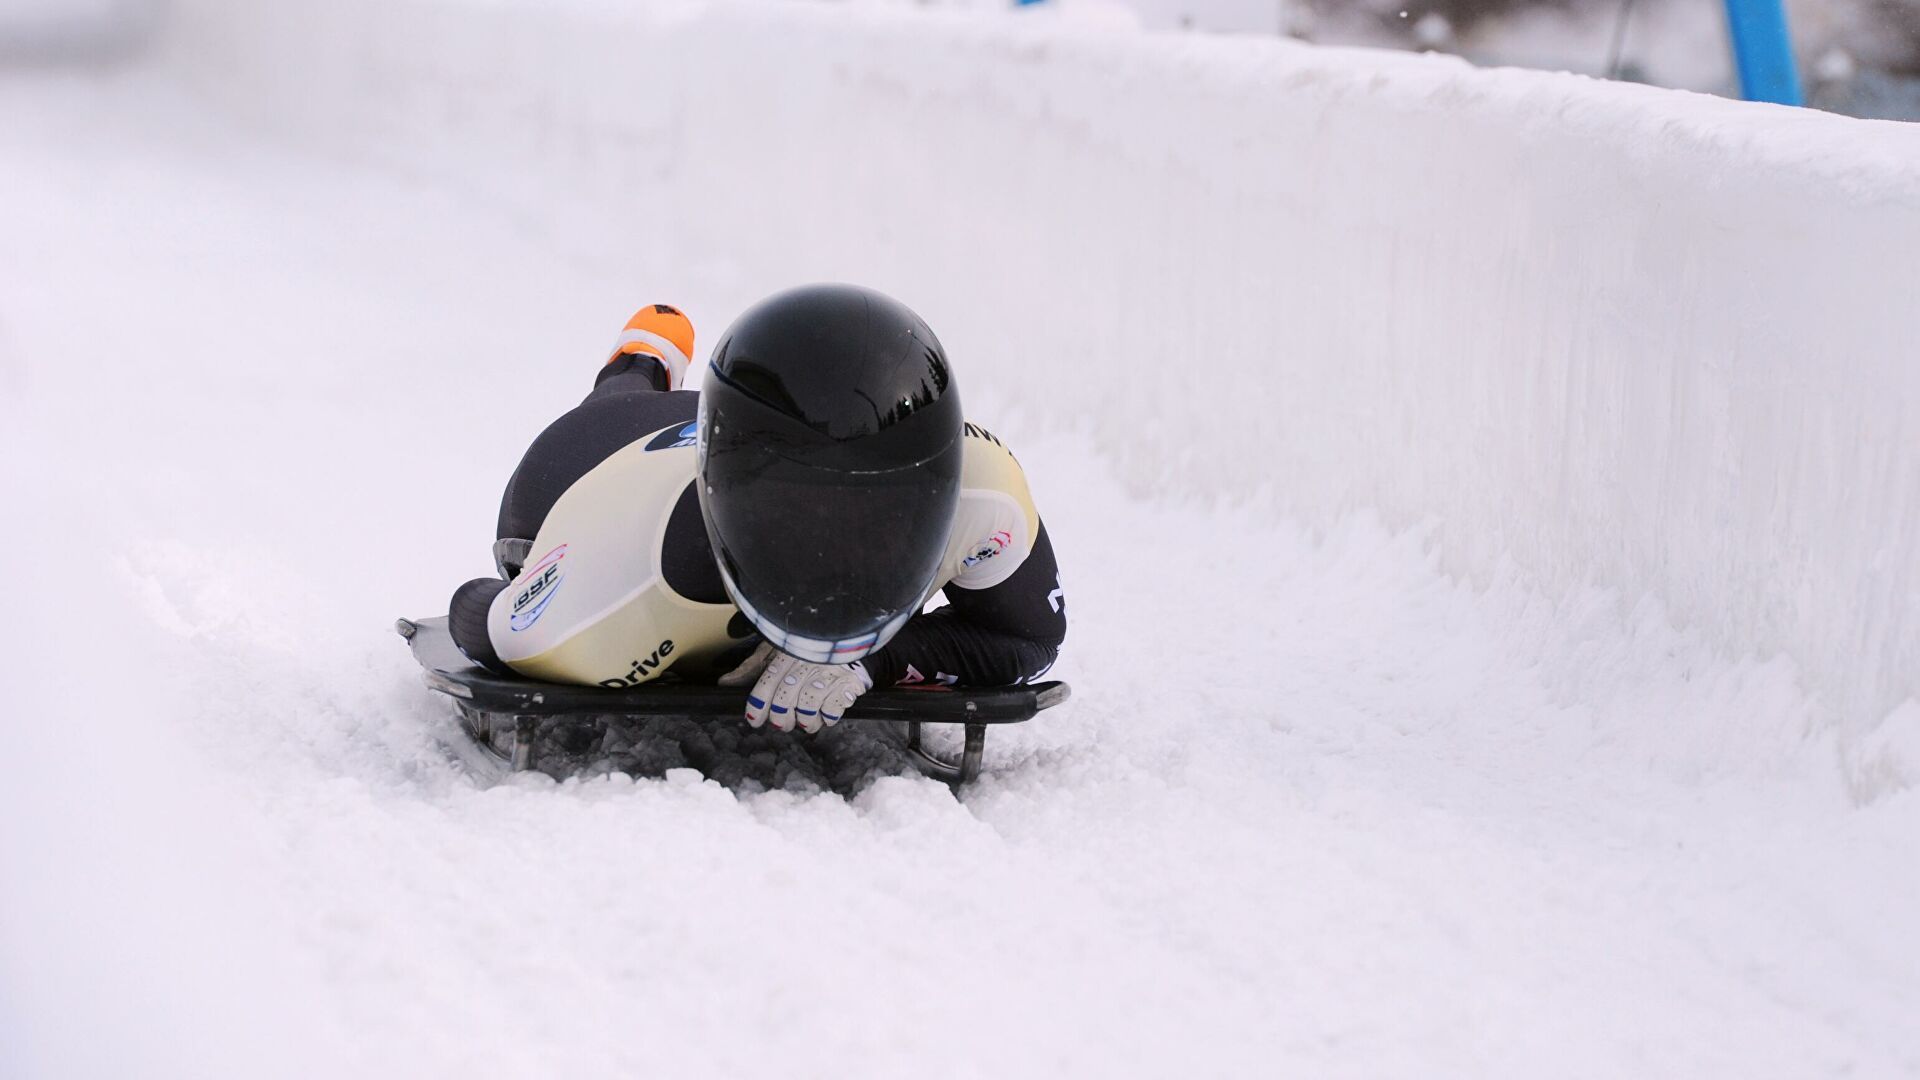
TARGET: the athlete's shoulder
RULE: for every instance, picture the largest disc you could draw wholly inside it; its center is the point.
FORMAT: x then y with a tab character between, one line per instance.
987	461
971	430
997	521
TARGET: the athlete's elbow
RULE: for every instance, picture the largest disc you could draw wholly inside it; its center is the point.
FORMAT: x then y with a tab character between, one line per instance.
467	622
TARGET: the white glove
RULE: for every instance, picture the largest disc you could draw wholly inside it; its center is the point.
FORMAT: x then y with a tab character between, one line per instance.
814	695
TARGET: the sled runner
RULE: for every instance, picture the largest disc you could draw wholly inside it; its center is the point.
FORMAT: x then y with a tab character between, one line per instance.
505	714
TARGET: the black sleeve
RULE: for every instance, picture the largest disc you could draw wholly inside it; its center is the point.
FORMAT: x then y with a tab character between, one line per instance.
467	622
1001	636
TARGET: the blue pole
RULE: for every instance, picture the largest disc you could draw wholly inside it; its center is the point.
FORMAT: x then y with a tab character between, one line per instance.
1763	51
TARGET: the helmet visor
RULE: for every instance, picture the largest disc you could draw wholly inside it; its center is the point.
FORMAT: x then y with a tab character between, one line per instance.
828	562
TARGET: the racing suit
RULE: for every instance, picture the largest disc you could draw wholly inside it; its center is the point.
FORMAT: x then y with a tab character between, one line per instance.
618	584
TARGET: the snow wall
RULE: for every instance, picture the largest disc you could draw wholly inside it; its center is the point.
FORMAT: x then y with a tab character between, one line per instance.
1591	335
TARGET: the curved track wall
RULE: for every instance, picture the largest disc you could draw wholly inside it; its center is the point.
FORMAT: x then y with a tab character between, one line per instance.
1591	334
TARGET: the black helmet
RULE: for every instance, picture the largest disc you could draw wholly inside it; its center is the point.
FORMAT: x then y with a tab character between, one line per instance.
829	448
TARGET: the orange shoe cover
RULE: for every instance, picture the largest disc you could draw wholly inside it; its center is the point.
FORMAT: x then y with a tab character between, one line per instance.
662	332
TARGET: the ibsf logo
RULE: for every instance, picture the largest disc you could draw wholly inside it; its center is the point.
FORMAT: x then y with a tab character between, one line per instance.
991	546
536	586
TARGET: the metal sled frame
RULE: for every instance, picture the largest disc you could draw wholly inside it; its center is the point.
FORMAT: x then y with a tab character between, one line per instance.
505	714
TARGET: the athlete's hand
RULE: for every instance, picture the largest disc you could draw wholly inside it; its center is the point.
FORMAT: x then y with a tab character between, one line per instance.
794	691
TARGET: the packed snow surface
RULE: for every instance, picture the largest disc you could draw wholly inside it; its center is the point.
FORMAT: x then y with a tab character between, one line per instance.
1317	806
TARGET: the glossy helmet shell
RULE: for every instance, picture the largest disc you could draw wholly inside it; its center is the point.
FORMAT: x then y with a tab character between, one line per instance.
829	456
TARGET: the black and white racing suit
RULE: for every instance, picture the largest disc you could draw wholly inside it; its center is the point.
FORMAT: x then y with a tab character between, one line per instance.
619	585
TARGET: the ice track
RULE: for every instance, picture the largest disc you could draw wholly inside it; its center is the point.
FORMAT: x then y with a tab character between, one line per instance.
1316	809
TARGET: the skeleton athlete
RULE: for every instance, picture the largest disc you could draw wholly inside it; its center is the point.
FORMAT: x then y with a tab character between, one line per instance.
784	527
